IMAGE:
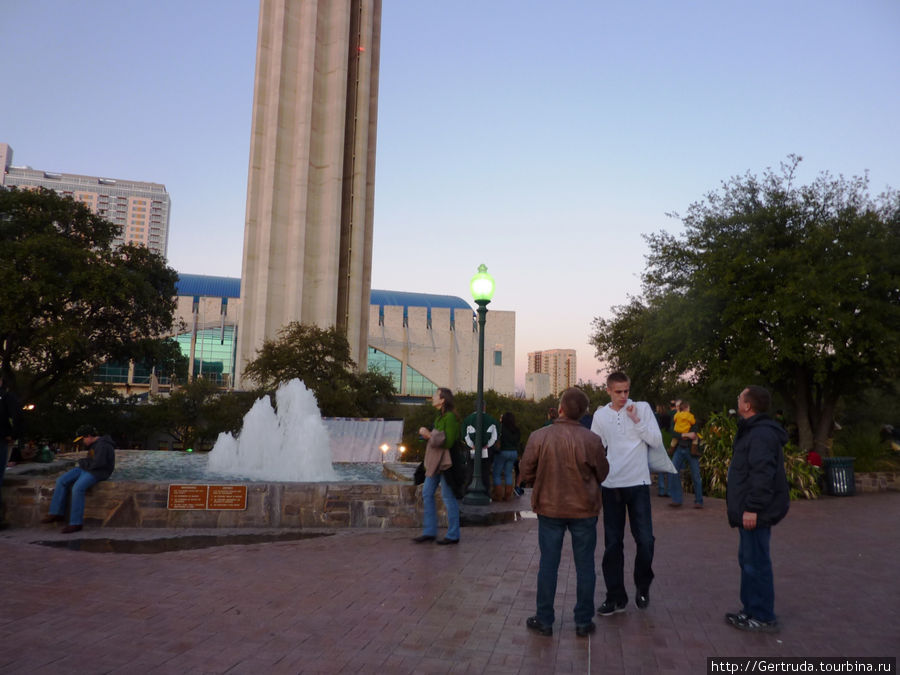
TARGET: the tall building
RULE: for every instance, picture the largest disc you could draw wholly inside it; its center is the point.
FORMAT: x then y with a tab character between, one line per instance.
558	365
141	209
311	182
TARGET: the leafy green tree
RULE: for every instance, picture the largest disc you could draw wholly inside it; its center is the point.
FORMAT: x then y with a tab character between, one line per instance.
69	301
794	287
184	413
321	358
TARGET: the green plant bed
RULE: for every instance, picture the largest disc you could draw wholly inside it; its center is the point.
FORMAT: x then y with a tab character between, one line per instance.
718	440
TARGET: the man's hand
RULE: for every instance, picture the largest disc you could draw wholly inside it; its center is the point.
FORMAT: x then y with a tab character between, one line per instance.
632	413
748	521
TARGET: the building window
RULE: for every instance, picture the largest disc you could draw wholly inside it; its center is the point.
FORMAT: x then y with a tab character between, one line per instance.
498	358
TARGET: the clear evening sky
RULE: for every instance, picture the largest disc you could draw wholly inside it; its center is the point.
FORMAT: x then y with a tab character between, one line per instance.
541	138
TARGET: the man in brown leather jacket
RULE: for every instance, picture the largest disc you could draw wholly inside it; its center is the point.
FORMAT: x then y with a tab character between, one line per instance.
565	464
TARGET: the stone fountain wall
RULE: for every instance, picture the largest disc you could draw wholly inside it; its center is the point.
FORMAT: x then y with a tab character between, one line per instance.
269	505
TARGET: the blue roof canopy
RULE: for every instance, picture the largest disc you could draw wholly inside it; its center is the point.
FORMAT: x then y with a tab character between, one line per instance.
406	299
208	287
230	287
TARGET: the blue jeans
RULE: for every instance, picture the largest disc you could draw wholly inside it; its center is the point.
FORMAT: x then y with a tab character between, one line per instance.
757	582
430	525
79	481
550	540
681	457
661	479
635	501
504	462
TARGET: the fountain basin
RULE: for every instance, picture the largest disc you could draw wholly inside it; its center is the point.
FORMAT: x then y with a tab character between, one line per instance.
144	503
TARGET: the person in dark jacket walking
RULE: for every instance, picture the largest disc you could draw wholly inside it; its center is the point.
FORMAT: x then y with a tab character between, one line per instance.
10	427
97	466
757	498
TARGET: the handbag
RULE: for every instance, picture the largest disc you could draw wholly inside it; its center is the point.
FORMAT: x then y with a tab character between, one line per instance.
419	475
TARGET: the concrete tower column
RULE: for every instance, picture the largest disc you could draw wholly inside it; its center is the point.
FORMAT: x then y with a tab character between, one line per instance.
310	188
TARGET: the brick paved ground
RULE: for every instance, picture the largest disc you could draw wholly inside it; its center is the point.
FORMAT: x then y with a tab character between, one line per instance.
371	601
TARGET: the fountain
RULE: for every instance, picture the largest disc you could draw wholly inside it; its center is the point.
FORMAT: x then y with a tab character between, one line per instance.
287	444
281	462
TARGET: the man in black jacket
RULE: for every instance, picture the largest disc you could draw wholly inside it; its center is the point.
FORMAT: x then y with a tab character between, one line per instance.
97	466
757	499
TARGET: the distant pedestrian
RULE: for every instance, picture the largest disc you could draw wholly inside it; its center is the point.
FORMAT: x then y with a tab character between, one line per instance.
97	466
565	463
757	497
11	428
506	457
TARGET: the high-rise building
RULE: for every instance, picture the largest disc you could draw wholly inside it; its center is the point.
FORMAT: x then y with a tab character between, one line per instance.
558	364
141	209
311	183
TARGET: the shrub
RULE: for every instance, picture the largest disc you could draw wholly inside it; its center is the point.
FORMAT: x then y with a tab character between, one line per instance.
718	438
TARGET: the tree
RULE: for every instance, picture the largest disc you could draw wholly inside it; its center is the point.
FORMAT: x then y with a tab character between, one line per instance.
791	286
321	358
69	301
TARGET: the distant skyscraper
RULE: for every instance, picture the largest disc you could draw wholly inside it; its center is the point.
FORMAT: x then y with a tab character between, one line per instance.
141	209
310	189
558	364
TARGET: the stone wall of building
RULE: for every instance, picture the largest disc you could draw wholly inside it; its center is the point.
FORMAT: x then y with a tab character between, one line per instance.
445	350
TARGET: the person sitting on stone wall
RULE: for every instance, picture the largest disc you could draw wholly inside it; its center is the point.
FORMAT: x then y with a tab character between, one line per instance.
98	465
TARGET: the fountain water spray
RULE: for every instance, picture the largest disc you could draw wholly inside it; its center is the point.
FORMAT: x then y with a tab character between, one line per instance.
291	444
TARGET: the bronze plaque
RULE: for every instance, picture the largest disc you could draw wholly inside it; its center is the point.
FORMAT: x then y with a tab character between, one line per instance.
187	497
228	497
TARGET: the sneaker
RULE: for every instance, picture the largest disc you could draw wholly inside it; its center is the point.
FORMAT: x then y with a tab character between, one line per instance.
519	491
736	618
642	600
532	623
586	629
611	607
756	626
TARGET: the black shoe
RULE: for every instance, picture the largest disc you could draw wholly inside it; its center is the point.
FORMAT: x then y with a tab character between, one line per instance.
423	537
674	505
51	518
447	542
69	529
585	630
642	600
532	623
748	623
611	607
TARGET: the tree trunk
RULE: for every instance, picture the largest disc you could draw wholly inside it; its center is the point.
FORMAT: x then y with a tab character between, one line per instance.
803	410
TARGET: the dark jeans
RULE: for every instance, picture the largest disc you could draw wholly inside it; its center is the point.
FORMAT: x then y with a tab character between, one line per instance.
635	501
757	582
550	540
4	459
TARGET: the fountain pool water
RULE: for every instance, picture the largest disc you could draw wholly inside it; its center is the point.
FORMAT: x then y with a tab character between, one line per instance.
287	444
165	466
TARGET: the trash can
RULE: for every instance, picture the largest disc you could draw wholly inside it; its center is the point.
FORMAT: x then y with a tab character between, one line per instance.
839	479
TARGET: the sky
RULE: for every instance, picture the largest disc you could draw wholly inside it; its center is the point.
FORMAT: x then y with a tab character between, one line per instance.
543	139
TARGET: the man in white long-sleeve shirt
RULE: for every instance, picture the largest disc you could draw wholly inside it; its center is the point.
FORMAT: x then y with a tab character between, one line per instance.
628	428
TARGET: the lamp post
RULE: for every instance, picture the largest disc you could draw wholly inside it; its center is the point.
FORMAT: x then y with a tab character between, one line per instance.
482	286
